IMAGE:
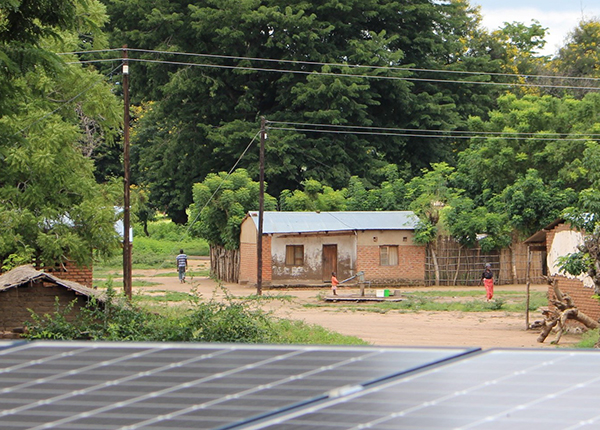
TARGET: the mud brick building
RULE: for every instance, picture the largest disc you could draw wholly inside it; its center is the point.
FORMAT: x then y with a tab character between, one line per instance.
305	247
24	288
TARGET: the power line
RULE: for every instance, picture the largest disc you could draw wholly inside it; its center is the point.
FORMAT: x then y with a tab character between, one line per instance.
380	77
451	136
393	129
393	78
319	63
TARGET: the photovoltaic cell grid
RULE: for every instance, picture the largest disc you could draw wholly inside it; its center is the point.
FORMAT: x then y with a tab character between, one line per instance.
102	386
493	390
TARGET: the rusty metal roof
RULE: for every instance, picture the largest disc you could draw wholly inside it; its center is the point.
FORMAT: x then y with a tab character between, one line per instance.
23	274
310	222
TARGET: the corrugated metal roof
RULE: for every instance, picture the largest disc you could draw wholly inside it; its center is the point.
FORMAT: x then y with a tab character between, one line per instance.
310	222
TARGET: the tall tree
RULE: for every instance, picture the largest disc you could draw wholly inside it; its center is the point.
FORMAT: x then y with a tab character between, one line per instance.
51	208
210	113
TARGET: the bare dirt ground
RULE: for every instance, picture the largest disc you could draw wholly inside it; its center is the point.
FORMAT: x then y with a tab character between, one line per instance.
421	328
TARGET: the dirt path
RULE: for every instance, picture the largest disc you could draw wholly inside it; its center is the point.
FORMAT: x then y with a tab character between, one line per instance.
477	329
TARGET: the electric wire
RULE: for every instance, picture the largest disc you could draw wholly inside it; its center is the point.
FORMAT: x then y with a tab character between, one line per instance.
353	75
376	133
319	63
392	129
190	224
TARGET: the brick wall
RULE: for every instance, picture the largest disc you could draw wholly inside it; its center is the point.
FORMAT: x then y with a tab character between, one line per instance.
69	271
248	260
410	268
581	295
37	296
247	263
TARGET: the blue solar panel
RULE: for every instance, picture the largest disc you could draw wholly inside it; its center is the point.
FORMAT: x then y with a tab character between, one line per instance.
493	390
105	386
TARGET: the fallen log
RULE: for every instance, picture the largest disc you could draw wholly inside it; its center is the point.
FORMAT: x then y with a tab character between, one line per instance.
565	309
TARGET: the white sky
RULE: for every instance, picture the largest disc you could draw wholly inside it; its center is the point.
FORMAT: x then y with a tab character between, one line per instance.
559	16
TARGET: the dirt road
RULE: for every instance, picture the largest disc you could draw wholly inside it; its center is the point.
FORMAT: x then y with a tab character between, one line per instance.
477	329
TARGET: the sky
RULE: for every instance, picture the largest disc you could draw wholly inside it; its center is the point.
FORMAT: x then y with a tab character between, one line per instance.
559	16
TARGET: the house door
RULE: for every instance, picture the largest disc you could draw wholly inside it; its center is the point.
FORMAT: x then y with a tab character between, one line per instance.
329	261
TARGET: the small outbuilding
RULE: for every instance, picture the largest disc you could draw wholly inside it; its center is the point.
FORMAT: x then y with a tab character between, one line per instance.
305	247
24	288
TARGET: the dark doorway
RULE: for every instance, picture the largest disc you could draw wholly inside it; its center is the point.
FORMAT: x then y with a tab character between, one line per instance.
329	261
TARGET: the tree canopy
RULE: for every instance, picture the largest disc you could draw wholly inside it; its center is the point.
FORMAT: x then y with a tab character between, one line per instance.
51	208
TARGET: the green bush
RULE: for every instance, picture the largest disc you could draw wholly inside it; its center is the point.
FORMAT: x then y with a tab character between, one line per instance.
212	321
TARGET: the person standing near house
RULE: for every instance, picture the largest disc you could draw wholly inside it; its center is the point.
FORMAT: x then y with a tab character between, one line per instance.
181	260
334	283
488	281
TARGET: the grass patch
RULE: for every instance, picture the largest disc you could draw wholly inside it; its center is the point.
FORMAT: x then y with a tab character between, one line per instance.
289	332
159	249
141	283
588	339
164	296
437	301
188	274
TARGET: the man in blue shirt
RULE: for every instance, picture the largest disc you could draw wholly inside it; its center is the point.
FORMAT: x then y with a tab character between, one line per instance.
181	260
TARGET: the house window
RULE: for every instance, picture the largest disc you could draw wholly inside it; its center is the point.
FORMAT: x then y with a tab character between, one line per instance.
388	255
294	255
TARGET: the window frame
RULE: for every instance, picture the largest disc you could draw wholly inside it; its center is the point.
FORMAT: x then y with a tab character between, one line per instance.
385	260
294	255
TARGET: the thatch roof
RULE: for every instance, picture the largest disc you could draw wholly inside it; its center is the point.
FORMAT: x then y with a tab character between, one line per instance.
24	274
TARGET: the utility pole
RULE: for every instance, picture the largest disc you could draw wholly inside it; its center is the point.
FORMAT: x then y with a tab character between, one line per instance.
261	207
126	181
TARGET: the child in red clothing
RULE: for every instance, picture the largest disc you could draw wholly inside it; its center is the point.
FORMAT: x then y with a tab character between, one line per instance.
334	283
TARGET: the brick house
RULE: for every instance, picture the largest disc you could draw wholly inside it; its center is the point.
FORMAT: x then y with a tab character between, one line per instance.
558	239
25	288
305	247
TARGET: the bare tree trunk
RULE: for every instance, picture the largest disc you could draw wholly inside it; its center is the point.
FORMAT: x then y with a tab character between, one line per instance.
457	266
436	266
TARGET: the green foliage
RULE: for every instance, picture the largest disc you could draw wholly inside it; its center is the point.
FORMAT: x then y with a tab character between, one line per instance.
204	117
159	248
580	56
51	208
220	204
210	321
575	263
589	339
315	197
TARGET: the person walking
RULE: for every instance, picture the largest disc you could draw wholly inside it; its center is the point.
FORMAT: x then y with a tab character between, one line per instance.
488	281
181	260
334	283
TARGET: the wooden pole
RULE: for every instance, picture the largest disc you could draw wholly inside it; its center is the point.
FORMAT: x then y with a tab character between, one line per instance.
528	275
126	181
261	208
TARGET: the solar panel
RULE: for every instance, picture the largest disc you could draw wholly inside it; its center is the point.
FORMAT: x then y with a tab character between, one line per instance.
492	390
103	386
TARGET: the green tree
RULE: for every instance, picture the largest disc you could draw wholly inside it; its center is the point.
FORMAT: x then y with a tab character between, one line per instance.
580	56
544	133
221	202
51	208
209	114
314	197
